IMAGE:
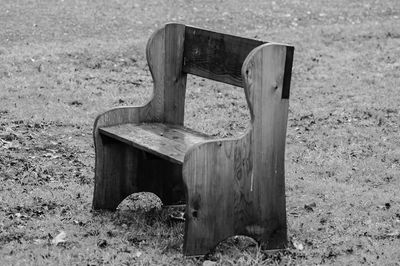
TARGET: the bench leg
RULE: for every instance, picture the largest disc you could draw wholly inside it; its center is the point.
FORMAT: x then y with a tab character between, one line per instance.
219	211
122	170
116	168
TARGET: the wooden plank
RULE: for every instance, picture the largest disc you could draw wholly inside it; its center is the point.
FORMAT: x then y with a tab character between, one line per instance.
167	141
216	175
216	56
164	53
116	164
174	79
155	55
264	80
119	175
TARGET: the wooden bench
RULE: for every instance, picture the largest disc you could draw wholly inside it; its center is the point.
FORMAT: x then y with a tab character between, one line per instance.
230	186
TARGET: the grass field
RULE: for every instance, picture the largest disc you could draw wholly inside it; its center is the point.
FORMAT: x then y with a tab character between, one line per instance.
62	62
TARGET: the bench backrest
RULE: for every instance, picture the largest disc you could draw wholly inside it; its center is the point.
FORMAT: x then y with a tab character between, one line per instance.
176	50
215	55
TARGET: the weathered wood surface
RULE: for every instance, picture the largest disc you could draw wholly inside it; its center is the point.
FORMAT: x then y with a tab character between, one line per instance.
216	56
114	176
166	105
216	175
174	78
264	74
232	186
167	141
237	186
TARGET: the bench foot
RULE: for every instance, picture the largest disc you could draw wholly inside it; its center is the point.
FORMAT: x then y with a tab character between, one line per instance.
116	165
122	170
206	228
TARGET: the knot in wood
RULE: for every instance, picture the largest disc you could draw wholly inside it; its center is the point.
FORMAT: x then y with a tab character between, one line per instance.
196	51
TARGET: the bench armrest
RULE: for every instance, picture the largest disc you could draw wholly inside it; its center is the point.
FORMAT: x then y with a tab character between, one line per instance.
120	115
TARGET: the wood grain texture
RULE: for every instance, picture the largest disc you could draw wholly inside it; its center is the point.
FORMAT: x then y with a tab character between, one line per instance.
264	75
165	58
167	104
237	186
216	56
155	54
232	186
114	177
215	175
174	78
110	172
166	141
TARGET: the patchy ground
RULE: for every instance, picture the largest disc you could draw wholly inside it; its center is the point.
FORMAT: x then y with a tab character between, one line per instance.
63	62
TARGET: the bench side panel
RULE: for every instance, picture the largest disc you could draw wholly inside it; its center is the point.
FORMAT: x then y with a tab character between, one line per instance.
165	58
267	93
216	56
237	187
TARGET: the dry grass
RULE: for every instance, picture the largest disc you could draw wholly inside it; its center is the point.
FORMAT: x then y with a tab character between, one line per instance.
63	62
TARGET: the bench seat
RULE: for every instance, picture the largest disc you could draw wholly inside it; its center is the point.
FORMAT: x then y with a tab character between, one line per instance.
167	141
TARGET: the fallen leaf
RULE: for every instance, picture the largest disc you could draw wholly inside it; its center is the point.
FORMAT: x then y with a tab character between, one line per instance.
10	145
76	103
177	215
394	234
209	263
298	246
137	254
38	241
386	206
60	238
102	243
310	207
